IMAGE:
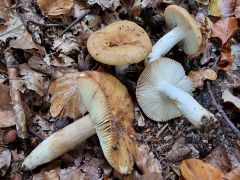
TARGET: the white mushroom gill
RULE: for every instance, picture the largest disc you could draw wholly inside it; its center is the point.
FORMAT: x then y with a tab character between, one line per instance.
186	104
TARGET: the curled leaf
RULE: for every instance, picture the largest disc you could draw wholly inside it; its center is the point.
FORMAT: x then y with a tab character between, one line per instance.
54	9
193	169
224	29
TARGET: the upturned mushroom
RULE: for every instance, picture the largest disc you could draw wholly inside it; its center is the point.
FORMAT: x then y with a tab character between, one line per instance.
184	31
119	44
163	92
110	116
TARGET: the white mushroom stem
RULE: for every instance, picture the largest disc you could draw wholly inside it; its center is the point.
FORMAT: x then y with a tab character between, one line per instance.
186	104
166	43
120	70
60	142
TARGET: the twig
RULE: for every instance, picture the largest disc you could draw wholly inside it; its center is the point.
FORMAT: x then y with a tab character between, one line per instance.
12	67
226	121
74	22
46	25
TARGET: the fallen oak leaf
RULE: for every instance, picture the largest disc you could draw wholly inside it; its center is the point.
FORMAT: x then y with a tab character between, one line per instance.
193	169
228	97
55	9
224	29
198	77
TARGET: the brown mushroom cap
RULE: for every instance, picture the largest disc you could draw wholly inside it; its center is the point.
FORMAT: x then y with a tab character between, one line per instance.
120	43
177	16
111	109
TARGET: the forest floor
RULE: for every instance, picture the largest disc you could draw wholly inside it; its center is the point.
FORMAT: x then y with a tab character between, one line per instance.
37	47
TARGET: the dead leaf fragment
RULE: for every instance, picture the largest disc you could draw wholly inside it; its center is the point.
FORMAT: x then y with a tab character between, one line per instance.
66	99
4	12
226	56
13	28
203	2
237	10
228	97
146	161
55	9
198	77
194	168
31	80
105	4
222	7
224	29
25	42
233	174
7	118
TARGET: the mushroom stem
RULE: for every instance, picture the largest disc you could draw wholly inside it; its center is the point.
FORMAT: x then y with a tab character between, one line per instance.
186	104
60	142
165	44
120	70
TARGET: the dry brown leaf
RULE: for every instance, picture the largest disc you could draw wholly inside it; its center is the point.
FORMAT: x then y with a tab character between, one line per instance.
5	100
145	160
219	158
226	57
228	97
37	63
66	99
233	174
151	176
67	44
32	79
193	169
198	77
4	12
7	118
55	8
13	28
105	4
139	5
224	29
222	7
25	42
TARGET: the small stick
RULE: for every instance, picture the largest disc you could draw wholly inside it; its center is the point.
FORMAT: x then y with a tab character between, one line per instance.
226	120
12	67
74	22
46	25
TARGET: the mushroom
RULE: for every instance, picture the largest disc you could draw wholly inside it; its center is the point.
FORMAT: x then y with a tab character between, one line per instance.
110	116
119	44
184	32
163	92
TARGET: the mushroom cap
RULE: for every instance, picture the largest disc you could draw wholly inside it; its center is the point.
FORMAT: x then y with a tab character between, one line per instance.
120	43
154	104
111	109
178	16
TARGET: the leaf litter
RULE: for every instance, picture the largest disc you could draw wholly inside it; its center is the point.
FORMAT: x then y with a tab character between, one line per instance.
166	149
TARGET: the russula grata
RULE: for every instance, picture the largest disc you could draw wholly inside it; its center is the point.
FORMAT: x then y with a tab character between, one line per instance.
184	32
111	112
163	92
119	44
